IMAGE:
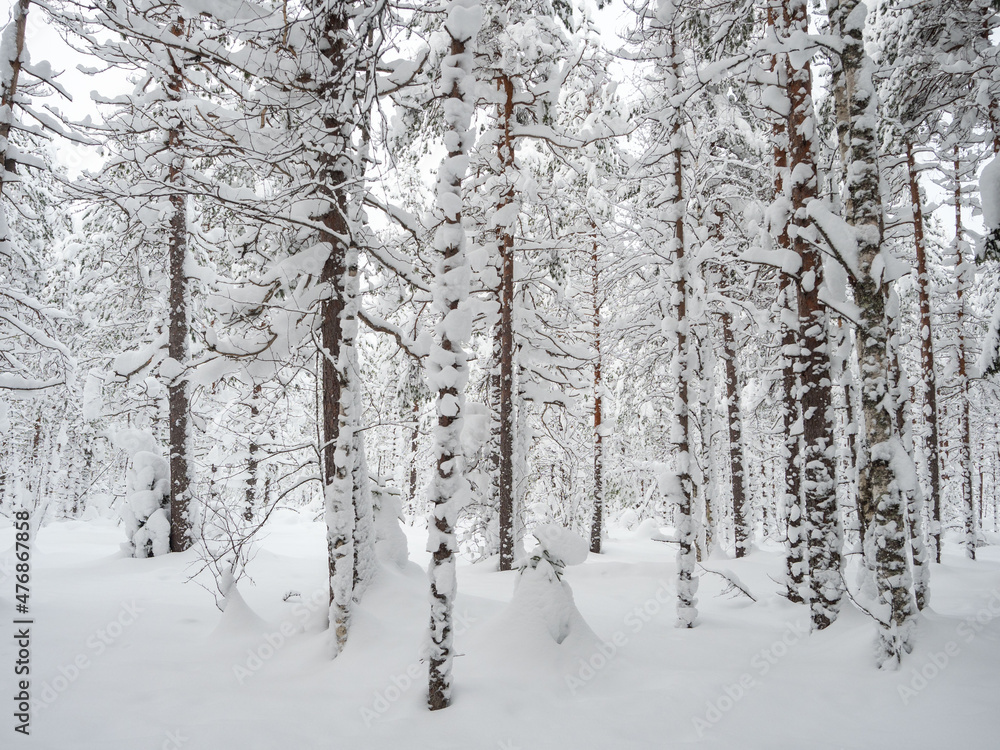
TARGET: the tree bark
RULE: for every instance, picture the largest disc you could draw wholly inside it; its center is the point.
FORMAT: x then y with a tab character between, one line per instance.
9	93
881	486
927	366
505	334
182	510
818	483
338	315
449	367
741	531
964	447
597	522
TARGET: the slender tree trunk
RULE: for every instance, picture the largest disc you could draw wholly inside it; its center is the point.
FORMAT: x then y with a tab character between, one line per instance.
880	481
182	505
9	94
338	318
796	563
741	531
414	435
250	496
913	495
927	367
505	488
843	376
818	446
965	426
597	522
449	367
687	584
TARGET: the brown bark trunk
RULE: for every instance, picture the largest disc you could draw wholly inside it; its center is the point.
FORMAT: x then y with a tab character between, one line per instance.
796	564
927	367
505	488
332	182
179	331
819	496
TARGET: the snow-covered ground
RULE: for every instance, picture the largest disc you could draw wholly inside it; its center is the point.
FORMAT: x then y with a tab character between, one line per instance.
127	654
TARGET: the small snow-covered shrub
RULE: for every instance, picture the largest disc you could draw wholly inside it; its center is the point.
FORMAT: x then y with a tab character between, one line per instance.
147	505
147	495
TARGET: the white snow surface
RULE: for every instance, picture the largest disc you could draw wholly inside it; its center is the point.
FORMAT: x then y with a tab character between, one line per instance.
129	655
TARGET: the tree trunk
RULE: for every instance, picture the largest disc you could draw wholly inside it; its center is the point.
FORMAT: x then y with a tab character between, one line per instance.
927	367
505	334
9	94
338	318
687	583
818	456
965	426
880	484
597	523
250	496
182	507
796	564
741	531
449	367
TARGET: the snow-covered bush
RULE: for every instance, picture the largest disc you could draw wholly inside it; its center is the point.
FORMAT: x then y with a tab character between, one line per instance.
557	547
147	496
540	588
390	541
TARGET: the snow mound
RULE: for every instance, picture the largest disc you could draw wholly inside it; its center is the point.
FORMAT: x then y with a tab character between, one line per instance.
238	619
390	541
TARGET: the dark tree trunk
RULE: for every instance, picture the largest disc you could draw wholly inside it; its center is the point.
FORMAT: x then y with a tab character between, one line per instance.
178	332
505	488
927	367
597	523
250	497
741	531
965	425
819	490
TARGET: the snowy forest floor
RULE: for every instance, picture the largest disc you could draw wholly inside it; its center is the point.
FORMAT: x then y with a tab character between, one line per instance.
129	655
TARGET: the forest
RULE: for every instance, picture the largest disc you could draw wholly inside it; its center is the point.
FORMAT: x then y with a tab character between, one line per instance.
326	324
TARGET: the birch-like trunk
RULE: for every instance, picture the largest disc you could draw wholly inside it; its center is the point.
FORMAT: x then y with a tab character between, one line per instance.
597	520
964	447
449	372
338	314
882	477
741	528
687	581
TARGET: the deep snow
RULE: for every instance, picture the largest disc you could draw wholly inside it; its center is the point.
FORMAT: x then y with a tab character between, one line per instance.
128	655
